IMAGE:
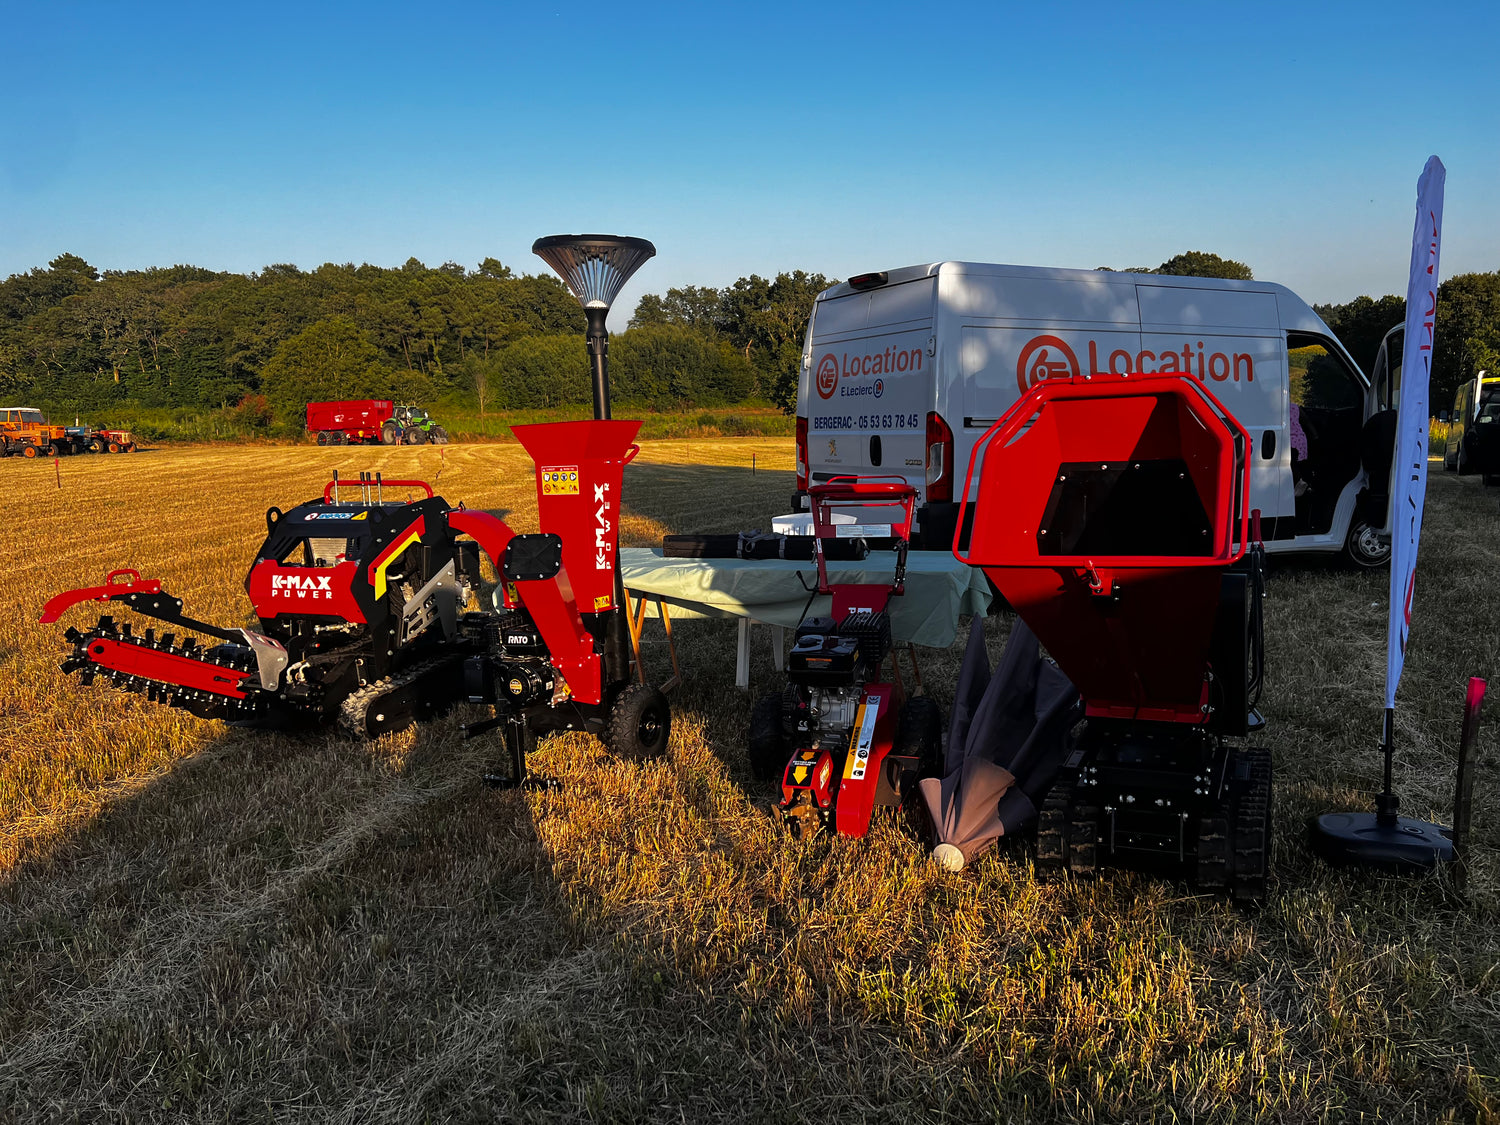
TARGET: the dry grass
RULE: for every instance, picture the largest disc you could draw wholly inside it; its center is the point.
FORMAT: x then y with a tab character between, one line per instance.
199	923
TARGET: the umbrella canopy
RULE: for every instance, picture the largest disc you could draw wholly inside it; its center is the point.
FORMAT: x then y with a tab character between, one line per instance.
1006	741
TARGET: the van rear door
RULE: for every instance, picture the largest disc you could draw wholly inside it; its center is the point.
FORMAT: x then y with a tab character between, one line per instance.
871	383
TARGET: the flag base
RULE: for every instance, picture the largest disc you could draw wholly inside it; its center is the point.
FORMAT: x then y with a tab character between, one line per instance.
1399	844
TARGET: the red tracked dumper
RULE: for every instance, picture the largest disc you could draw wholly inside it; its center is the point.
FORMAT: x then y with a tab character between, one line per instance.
1111	515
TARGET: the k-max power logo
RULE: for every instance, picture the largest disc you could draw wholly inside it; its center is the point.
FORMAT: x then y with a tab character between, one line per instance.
302	586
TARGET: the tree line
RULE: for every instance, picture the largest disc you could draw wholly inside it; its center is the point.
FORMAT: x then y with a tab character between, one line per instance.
75	340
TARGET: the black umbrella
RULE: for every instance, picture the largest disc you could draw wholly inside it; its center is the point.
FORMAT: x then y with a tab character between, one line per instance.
1003	750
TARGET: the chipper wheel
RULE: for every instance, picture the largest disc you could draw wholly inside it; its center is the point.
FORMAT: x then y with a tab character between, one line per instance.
640	723
767	748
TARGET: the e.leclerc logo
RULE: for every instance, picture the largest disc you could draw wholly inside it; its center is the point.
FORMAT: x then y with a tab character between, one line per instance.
1038	363
828	375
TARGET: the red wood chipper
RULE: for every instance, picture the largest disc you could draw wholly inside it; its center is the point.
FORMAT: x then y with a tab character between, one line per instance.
841	737
1111	515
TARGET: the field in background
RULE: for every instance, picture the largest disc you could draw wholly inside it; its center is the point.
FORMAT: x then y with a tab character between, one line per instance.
462	420
199	923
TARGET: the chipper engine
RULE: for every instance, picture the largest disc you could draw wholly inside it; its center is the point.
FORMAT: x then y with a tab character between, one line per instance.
1111	514
855	740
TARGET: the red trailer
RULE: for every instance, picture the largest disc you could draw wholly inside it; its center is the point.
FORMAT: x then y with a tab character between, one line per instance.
353	423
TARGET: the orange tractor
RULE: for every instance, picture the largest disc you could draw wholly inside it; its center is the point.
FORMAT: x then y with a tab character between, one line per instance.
25	431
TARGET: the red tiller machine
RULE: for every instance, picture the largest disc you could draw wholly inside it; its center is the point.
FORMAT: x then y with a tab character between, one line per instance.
1111	515
843	738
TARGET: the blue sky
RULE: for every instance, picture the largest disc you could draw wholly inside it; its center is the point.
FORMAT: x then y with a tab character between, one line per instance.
750	137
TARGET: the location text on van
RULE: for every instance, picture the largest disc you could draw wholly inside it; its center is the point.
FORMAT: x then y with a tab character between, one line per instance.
831	368
1048	357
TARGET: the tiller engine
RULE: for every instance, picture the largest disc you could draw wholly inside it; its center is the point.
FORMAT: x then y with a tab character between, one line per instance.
842	739
1112	516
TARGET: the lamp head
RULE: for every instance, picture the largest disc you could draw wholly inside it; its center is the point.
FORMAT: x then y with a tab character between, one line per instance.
594	266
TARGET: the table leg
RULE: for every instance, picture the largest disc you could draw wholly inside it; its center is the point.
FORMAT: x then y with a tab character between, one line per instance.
742	656
778	647
666	621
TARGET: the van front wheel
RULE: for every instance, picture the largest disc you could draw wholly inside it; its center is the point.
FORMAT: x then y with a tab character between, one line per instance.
1364	547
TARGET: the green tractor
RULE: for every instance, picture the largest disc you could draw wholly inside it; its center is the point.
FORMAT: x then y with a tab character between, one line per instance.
418	427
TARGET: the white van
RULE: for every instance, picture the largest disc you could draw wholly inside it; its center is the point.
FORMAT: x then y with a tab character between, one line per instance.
903	371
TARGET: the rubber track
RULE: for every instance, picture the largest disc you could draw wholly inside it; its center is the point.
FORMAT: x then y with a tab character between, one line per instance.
354	711
1252	830
1051	841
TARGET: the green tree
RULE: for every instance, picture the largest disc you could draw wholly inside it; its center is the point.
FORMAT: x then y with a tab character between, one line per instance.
692	306
1362	323
1467	332
540	371
767	321
668	365
327	361
1200	263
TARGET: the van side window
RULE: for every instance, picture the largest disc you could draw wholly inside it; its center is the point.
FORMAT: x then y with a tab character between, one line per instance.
1327	418
1319	376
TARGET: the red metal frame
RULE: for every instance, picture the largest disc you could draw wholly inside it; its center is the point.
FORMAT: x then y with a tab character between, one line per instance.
60	604
331	485
860	492
1132	631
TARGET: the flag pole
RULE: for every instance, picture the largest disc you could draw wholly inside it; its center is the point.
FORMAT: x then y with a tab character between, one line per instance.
1384	838
1387	802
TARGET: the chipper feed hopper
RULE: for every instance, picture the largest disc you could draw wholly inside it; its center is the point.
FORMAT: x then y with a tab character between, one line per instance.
1111	515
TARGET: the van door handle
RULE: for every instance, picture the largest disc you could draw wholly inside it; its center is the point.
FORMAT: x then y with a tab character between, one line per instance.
1268	445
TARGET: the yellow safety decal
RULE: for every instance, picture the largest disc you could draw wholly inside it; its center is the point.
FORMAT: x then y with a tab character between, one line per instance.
559	480
860	741
361	516
799	775
412	534
601	602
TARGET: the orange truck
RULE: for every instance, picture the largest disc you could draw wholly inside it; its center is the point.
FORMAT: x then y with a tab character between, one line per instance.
24	430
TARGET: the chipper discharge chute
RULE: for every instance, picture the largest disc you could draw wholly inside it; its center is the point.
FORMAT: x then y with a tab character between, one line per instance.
1111	515
842	737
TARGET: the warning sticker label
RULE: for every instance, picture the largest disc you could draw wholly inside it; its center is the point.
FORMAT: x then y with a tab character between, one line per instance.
559	480
861	742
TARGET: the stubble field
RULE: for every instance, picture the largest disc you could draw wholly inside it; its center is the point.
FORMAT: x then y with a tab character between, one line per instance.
199	923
